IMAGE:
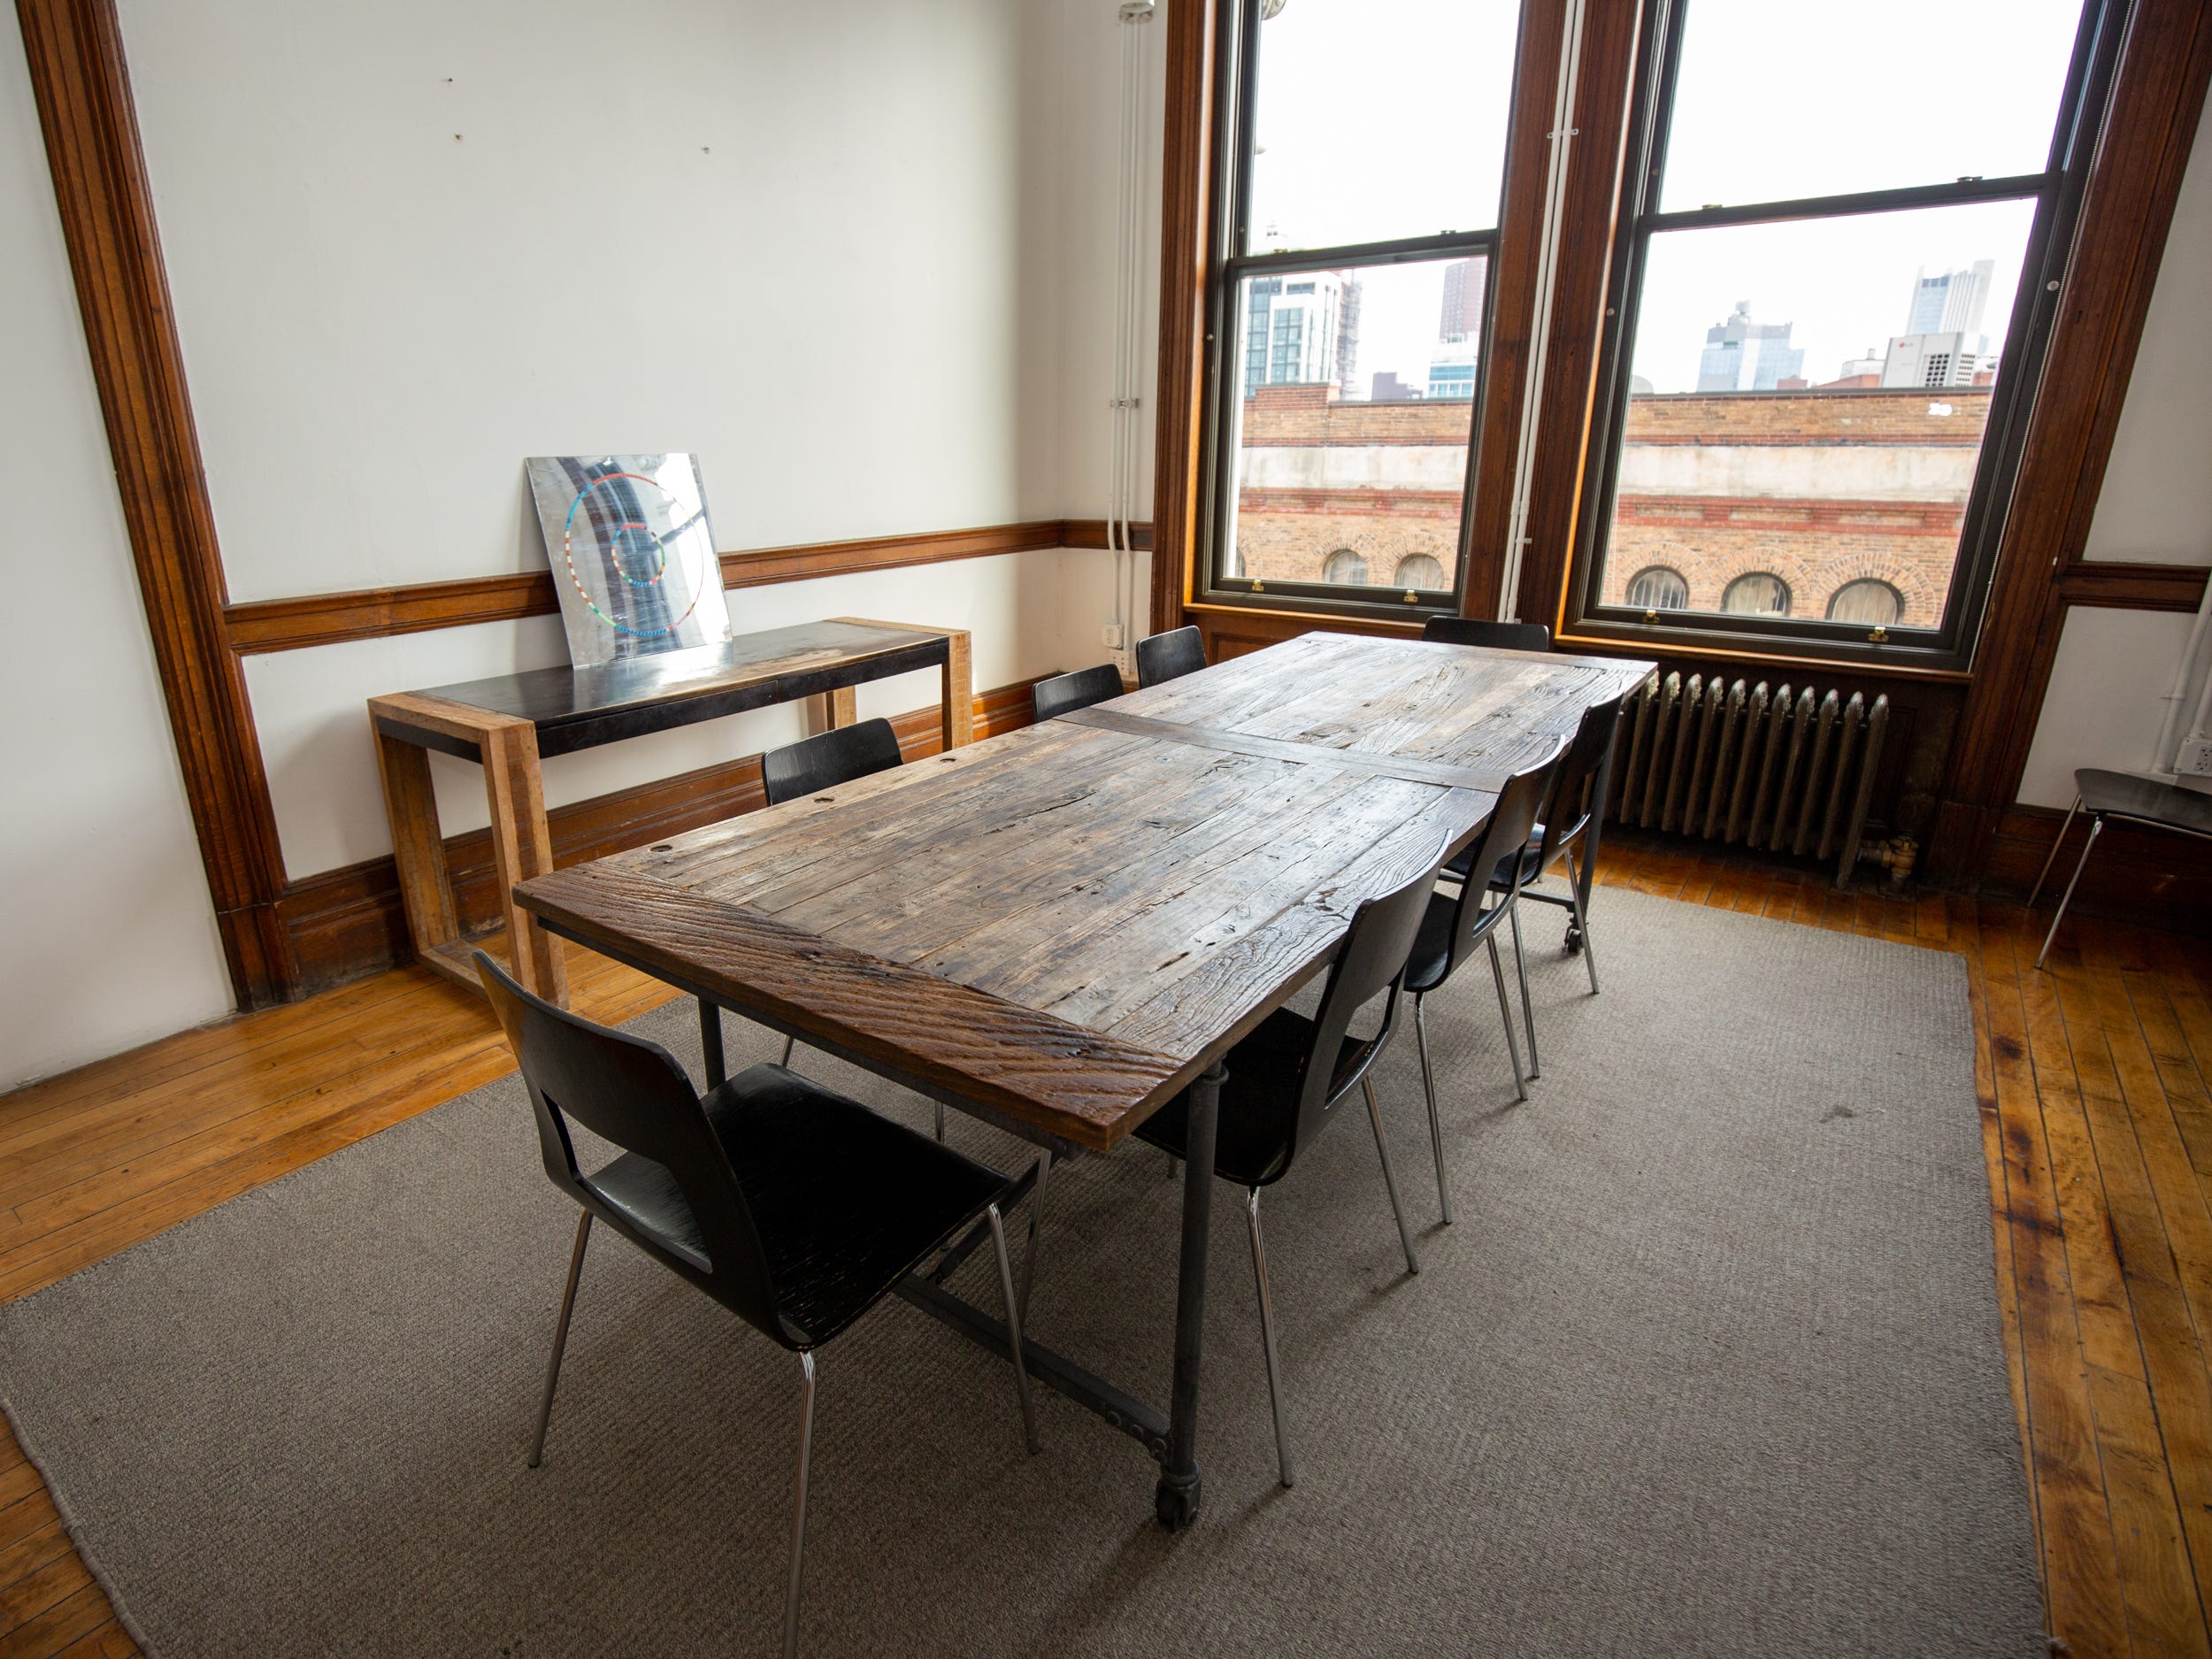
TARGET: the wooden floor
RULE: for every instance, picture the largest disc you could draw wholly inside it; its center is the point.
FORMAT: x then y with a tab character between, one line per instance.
2095	1084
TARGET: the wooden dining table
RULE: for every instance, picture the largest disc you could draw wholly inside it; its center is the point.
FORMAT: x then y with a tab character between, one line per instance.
1061	929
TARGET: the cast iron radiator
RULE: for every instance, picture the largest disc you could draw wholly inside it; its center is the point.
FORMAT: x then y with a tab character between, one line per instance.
1786	771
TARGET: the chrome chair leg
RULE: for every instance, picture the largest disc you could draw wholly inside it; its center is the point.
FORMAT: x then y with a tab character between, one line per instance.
798	1507
788	1044
1267	1337
1582	919
1520	966
1174	1166
560	1336
710	1044
1505	1013
1014	1329
1036	1230
2096	826
941	1120
1436	1127
1390	1179
2043	874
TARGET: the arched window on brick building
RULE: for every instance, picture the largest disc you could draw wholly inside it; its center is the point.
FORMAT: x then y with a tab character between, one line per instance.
1759	594
1345	568
1418	571
1868	600
1658	587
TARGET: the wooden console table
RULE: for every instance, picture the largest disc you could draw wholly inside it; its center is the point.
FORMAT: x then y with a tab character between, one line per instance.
510	724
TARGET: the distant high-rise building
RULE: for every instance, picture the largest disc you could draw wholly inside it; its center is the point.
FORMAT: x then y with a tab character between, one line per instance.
1293	327
1452	370
1388	388
1347	336
1742	356
1464	282
1948	359
1950	303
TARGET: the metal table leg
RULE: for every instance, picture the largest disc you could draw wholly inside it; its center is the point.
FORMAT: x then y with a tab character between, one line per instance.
1175	1499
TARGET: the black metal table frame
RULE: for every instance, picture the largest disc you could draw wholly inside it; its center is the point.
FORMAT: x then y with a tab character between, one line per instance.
1170	1438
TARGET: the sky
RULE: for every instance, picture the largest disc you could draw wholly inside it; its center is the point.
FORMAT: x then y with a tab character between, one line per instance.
1386	118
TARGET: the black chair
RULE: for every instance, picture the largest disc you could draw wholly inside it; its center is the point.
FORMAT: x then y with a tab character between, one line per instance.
824	761
1064	694
1291	1072
1455	922
1504	636
795	1207
2131	799
806	767
1170	656
1568	828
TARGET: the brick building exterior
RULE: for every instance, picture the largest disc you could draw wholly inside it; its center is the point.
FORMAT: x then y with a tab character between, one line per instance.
1815	487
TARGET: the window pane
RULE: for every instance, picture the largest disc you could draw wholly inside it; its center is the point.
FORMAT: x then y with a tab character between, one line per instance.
1775	103
1350	440
1807	405
1374	119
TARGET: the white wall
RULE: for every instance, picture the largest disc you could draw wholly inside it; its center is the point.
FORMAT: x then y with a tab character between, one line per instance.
816	244
2112	667
110	938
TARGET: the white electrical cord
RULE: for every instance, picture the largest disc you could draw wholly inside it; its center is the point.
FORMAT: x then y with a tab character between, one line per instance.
1562	138
1122	466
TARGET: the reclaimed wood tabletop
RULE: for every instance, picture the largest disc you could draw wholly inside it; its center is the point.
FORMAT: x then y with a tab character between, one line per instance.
1068	923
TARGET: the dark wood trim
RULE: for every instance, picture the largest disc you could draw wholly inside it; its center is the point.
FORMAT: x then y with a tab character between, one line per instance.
2137	874
2165	63
343	923
289	625
1091	532
1604	95
1187	244
78	76
1513	298
2133	586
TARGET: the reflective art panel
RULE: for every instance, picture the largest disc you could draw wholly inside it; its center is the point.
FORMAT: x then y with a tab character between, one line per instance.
633	553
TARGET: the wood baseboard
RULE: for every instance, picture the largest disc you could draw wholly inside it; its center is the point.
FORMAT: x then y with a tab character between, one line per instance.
2139	875
348	923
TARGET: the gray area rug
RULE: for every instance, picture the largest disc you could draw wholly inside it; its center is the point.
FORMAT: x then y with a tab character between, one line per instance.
1709	1363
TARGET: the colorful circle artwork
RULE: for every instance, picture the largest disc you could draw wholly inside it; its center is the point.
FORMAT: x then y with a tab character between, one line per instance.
623	533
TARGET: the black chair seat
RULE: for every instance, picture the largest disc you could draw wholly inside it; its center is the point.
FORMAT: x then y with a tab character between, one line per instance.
845	1201
1257	1127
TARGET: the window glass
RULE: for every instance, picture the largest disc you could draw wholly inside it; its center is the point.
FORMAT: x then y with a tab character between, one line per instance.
1874	604
1418	571
1350	143
1872	96
1656	587
1808	401
1757	594
1352	429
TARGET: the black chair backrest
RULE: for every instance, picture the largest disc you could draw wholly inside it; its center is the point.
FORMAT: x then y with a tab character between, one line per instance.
1372	957
1063	694
1504	636
829	758
1503	837
1170	656
1577	789
634	1095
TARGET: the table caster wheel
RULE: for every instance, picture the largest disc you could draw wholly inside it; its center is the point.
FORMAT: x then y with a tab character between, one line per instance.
1574	939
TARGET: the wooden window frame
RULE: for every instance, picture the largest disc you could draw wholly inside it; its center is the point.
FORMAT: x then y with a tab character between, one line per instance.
2058	193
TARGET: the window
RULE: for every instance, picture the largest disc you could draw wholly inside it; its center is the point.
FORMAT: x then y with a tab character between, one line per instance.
1757	594
1352	297
1656	587
1345	568
1418	571
1785	306
1866	602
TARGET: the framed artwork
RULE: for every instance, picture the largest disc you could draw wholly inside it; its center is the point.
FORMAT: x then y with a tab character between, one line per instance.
633	553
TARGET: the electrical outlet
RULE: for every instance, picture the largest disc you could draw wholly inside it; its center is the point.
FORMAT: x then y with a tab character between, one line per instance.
1110	636
1124	665
2195	759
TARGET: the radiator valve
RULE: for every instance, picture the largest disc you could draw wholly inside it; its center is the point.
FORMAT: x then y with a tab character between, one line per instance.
1898	855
